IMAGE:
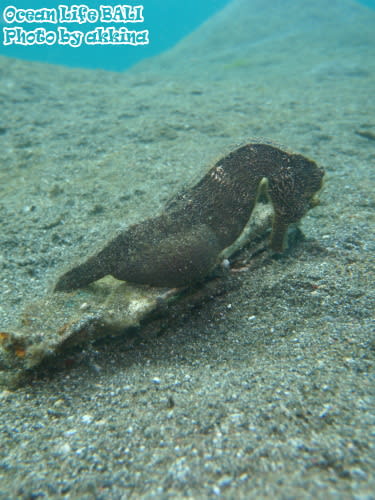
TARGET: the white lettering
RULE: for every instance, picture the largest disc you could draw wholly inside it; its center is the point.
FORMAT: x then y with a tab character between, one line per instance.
113	36
19	36
72	38
77	14
121	14
13	15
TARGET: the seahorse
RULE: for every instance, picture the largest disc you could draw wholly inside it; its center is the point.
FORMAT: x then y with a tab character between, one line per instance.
182	245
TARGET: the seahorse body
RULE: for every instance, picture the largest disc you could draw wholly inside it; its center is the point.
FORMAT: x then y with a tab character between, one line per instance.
182	245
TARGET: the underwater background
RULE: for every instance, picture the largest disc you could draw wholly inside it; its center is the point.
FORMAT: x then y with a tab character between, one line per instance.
260	384
167	21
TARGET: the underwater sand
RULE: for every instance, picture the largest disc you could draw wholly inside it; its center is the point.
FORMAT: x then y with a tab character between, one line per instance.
266	391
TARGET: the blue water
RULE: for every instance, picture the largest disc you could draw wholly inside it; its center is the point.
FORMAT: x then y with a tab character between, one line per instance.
167	21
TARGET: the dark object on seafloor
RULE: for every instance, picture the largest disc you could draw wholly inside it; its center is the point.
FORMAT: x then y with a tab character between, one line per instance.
183	244
368	134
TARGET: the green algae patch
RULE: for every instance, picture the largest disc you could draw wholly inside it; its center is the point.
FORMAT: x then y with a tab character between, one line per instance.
49	326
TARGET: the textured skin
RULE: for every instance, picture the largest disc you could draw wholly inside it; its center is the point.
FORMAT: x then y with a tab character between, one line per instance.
182	245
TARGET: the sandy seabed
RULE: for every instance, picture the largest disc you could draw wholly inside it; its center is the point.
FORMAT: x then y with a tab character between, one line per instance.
266	391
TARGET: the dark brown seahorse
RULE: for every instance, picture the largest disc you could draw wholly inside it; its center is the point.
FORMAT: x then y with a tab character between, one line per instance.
183	244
